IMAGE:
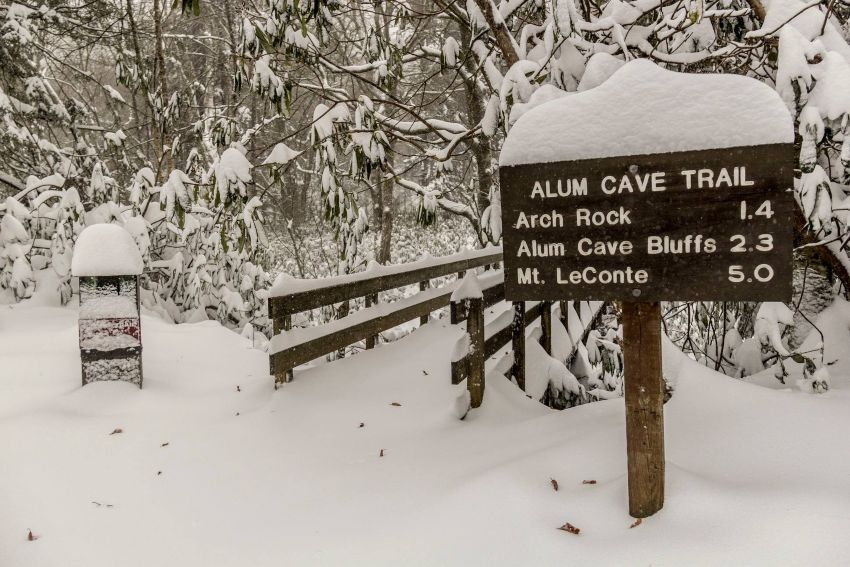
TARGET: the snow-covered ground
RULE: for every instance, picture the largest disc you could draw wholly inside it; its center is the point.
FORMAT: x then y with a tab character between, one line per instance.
214	468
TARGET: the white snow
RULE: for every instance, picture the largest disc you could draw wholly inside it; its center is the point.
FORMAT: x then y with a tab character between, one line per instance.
644	109
232	173
254	477
108	306
468	288
281	154
285	284
599	68
106	250
298	335
113	93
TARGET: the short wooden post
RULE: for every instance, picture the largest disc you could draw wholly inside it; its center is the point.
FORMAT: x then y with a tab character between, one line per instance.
475	329
546	326
371	340
423	320
282	324
518	343
644	392
564	306
341	313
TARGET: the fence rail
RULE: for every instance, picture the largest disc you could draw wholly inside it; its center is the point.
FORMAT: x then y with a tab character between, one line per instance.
483	341
292	347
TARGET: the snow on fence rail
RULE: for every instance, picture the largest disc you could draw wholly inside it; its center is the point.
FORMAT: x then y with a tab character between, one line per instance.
481	341
292	347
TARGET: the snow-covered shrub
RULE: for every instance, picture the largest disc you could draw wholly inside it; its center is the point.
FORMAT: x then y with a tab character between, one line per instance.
731	338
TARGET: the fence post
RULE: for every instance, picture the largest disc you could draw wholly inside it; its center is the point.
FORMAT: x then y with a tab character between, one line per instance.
564	306
518	340
644	393
546	326
342	313
371	340
279	325
423	320
475	329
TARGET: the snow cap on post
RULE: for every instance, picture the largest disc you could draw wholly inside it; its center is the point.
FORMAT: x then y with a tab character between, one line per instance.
106	250
468	288
643	109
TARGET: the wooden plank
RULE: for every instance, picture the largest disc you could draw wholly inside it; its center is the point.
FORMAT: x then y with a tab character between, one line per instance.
497	340
89	355
546	326
502	337
518	338
493	294
475	329
318	297
644	393
371	340
532	313
423	320
596	238
284	374
305	352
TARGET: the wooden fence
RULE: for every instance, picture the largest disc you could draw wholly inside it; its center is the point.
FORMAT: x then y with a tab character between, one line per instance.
483	341
297	346
291	347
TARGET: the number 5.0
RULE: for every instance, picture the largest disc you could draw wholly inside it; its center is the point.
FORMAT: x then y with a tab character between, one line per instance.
762	273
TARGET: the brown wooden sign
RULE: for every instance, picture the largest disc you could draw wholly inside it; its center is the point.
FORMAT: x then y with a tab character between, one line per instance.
697	225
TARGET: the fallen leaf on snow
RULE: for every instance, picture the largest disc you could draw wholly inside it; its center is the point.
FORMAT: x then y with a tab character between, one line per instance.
362	424
568	527
554	483
164	444
31	537
636	523
117	430
588	482
395	404
381	453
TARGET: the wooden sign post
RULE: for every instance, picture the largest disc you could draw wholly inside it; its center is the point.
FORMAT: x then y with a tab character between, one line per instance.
685	221
644	393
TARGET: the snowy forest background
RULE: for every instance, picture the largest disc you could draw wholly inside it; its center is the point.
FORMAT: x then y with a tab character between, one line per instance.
237	140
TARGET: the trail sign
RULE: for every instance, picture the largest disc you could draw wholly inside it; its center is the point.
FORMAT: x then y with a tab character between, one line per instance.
652	186
698	225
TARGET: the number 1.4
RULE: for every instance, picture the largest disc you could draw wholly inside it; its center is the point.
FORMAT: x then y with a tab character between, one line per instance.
765	210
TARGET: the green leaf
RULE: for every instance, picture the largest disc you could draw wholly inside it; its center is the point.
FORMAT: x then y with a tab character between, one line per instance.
264	40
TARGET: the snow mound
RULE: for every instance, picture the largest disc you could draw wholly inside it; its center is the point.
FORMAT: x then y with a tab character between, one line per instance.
644	109
281	154
106	250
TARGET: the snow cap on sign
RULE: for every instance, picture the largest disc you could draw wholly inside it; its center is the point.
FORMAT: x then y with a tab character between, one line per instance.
106	250
644	109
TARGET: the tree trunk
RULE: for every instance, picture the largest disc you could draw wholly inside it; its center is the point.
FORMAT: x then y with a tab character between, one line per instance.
480	146
159	68
385	244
